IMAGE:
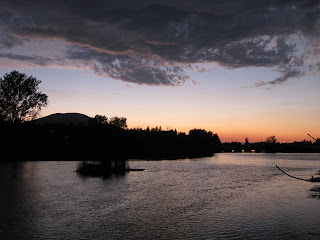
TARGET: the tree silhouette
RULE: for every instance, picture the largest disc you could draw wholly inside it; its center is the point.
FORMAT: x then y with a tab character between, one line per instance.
271	140
247	144
271	143
118	122
20	98
102	119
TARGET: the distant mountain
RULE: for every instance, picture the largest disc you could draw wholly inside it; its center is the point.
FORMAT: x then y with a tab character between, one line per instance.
64	118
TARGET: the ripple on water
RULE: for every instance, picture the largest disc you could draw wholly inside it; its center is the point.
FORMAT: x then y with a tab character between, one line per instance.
228	196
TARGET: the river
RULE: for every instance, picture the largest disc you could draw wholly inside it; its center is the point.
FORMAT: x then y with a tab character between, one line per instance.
227	196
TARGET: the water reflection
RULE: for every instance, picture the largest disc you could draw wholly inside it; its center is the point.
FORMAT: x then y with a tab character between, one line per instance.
229	196
14	202
315	192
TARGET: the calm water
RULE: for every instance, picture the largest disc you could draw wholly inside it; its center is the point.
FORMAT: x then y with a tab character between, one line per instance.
228	196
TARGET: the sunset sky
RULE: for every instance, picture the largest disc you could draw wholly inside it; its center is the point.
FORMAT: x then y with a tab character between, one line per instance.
241	68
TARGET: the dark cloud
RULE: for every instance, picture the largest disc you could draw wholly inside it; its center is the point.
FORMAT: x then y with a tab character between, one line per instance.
33	60
8	41
149	42
149	72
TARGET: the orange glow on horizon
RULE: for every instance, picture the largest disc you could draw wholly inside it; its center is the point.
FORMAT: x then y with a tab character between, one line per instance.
227	134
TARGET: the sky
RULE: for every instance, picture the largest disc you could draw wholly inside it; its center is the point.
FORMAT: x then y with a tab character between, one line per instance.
239	68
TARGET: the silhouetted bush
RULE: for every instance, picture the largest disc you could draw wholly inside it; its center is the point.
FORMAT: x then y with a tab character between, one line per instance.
103	168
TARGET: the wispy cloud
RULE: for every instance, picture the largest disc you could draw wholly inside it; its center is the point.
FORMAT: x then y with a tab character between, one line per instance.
34	60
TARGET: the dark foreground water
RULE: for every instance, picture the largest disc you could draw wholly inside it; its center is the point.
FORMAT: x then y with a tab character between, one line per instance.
228	196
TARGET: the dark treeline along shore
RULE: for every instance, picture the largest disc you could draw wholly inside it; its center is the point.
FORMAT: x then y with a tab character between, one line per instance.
76	136
271	145
34	140
104	145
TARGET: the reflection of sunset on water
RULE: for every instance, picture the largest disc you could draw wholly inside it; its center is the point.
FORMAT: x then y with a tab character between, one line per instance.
226	195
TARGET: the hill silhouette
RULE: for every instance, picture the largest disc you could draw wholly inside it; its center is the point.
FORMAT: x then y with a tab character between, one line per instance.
64	119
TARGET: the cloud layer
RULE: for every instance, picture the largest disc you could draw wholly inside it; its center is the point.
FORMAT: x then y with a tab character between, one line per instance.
153	42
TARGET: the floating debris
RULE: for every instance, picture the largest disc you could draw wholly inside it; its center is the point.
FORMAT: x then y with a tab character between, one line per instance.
312	179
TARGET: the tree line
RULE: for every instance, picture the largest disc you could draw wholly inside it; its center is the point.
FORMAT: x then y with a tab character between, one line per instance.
30	140
271	145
